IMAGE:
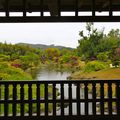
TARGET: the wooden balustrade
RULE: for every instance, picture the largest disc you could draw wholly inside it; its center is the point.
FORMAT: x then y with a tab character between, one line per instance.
22	99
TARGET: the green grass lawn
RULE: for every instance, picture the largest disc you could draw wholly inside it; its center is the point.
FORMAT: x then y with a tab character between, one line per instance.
112	73
106	74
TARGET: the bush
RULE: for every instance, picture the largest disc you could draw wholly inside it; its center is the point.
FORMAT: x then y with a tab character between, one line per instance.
65	59
8	72
102	57
116	62
3	65
4	57
94	66
4	76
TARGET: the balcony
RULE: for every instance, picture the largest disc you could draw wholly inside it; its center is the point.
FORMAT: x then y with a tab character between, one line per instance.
85	99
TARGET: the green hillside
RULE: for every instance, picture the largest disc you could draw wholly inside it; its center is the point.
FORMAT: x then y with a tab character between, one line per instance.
43	47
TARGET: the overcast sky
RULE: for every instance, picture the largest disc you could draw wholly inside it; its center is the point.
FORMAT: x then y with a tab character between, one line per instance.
65	34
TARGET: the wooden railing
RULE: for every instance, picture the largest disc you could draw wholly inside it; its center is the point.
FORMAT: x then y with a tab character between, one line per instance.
98	99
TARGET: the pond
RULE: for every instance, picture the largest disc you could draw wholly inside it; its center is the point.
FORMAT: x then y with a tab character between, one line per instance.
45	74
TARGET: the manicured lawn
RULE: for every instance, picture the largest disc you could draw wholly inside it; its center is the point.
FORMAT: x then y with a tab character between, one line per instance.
113	73
107	74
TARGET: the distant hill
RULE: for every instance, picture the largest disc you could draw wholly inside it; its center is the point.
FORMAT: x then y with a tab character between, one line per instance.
42	46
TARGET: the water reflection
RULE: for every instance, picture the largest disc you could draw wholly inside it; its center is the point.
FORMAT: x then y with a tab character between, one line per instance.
54	75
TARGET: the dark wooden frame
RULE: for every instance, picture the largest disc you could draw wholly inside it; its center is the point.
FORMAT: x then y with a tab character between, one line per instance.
58	18
78	100
108	7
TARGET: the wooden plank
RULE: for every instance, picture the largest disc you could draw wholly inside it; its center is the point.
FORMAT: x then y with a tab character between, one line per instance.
59	8
7	8
30	98
78	99
86	98
93	7
46	99
76	8
38	99
110	98
53	8
41	7
22	99
59	19
54	99
91	117
110	8
118	98
6	99
14	99
94	98
24	8
62	98
70	99
102	98
0	98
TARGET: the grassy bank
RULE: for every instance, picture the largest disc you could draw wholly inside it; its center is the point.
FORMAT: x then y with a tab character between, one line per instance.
8	72
112	73
106	74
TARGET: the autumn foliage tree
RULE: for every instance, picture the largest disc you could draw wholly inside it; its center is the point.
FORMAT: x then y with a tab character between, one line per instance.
52	53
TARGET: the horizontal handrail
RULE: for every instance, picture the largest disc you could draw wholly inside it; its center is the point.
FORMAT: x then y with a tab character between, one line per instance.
59	81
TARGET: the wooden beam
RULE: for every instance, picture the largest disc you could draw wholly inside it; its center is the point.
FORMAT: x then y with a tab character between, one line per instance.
110	7
52	5
105	4
80	3
76	8
60	19
93	7
41	7
24	7
7	8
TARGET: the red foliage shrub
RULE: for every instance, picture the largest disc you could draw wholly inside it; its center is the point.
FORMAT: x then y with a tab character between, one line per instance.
16	65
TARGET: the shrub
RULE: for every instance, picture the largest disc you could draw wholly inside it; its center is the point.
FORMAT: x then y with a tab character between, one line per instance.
94	66
102	57
65	59
4	57
3	65
4	76
17	63
116	62
8	72
74	61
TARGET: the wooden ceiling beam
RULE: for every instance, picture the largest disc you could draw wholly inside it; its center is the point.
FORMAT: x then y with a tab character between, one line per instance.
60	19
105	4
53	7
80	3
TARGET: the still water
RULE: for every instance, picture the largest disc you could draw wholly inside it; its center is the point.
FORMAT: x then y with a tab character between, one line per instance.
54	75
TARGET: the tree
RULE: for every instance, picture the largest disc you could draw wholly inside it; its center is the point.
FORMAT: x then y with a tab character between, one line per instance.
88	44
29	60
115	57
51	53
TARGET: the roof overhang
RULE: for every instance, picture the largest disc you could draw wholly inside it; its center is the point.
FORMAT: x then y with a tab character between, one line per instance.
56	7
